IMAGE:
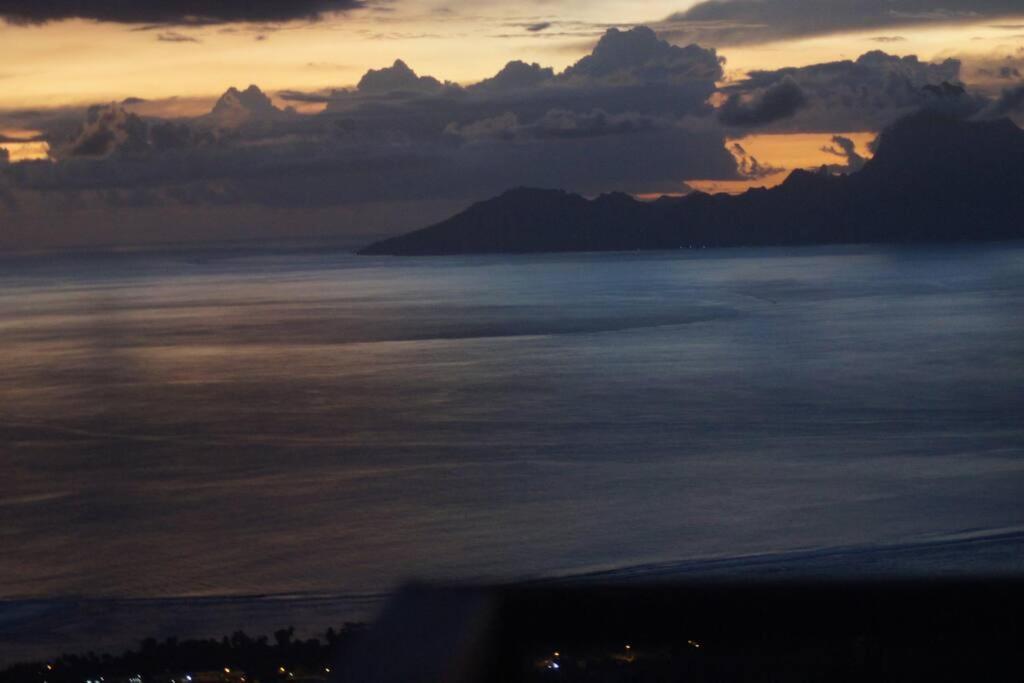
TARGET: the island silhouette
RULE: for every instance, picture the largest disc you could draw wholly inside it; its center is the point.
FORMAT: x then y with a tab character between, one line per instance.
933	178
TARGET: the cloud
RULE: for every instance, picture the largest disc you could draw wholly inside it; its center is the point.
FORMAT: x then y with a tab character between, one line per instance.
638	55
105	131
305	97
538	27
167	135
731	22
633	115
556	124
749	165
171	12
517	75
623	119
868	93
240	107
1010	103
993	72
778	101
175	37
846	149
397	78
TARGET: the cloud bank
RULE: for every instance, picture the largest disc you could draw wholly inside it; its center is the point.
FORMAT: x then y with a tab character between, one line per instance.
864	94
171	12
732	22
634	115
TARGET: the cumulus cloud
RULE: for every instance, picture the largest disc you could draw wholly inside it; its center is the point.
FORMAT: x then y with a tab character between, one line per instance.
106	130
863	94
397	78
621	119
730	22
242	107
517	75
778	101
634	115
171	12
638	55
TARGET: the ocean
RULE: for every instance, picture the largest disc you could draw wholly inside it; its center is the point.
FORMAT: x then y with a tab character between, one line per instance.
238	438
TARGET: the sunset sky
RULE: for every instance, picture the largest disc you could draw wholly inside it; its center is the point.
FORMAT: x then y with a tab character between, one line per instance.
647	115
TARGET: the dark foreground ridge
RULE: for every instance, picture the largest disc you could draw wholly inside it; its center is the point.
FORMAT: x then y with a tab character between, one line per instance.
933	179
697	631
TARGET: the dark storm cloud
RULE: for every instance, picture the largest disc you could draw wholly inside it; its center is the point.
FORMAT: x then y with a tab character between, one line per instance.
638	55
729	22
868	93
632	116
1010	103
778	101
557	124
106	130
170	12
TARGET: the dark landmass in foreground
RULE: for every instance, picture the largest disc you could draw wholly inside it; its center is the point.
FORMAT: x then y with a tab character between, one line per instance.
933	178
699	631
238	658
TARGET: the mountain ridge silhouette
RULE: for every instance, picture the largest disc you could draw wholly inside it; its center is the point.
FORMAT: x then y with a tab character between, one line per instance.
933	178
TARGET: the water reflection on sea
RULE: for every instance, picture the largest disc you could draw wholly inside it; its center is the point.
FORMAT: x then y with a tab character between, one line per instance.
250	423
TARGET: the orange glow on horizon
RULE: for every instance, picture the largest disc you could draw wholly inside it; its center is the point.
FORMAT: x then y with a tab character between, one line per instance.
81	62
783	152
21	145
738	186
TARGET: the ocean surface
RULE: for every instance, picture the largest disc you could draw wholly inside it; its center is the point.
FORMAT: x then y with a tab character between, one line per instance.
230	434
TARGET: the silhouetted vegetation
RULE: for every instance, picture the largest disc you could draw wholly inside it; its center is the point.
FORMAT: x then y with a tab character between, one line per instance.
238	658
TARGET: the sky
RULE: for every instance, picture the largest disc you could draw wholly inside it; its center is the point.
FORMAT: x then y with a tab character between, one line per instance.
113	128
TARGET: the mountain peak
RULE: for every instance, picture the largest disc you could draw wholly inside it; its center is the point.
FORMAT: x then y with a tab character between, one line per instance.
933	178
